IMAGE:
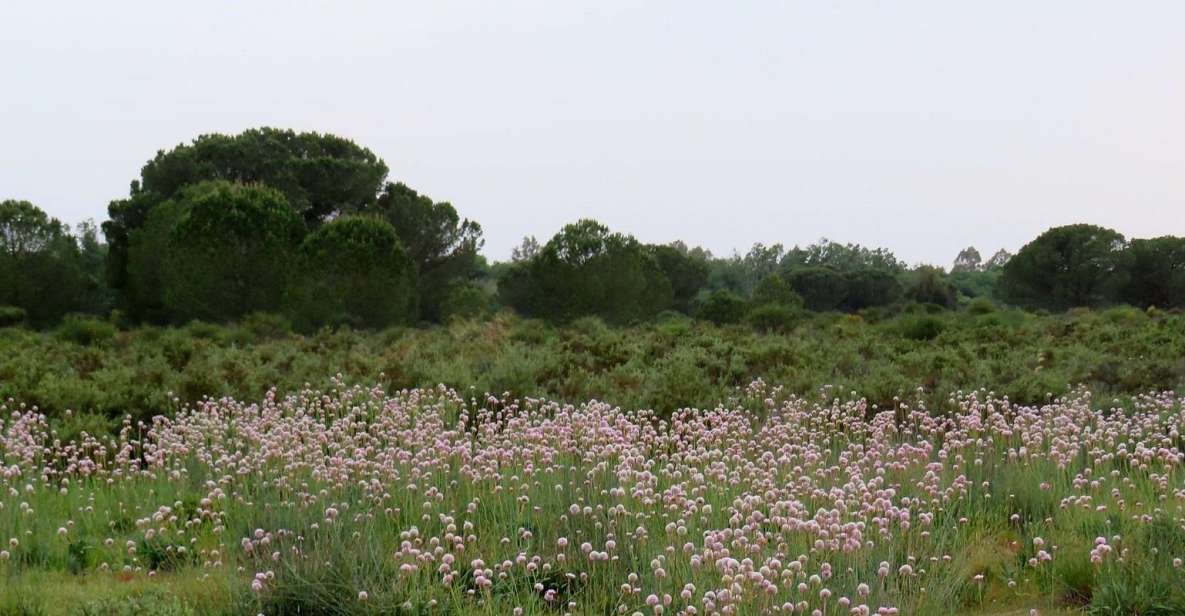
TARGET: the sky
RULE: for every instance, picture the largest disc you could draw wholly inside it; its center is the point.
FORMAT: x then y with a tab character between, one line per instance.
922	127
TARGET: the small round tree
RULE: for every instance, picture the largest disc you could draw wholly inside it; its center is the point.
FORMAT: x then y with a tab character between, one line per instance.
229	251
355	271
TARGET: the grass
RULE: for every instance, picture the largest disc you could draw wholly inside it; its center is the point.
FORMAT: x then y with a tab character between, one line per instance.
336	492
166	538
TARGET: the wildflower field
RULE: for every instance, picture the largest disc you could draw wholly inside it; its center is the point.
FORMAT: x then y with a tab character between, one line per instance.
356	500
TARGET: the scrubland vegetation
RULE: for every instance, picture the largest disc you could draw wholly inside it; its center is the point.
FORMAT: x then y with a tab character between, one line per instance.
103	373
286	385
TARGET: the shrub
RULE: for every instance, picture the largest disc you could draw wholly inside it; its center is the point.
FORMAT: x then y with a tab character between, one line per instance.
466	301
266	325
723	307
11	316
980	306
930	286
821	288
228	252
586	269
772	317
922	328
355	271
774	289
85	330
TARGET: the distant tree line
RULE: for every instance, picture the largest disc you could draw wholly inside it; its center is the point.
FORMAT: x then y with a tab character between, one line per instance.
307	226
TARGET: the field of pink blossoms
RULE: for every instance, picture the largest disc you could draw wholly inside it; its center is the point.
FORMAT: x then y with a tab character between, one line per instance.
356	501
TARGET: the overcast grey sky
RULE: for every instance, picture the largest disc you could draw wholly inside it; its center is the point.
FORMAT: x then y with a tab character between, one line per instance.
919	126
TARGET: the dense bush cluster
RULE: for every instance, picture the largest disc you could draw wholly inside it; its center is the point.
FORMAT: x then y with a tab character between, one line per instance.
306	225
46	272
294	223
88	366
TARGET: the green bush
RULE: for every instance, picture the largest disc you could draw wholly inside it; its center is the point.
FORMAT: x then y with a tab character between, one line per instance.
922	327
466	301
266	325
85	330
11	316
723	307
89	368
981	305
772	318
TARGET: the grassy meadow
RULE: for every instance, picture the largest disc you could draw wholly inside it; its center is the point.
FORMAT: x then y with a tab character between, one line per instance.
983	461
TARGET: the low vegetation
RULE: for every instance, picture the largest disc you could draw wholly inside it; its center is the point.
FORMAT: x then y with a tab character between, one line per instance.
358	501
102	373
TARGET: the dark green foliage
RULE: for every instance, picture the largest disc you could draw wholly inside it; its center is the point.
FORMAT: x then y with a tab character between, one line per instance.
442	246
930	286
968	260
146	268
85	330
319	175
686	272
266	325
42	269
726	274
96	296
25	229
354	271
229	251
757	264
1074	265
821	288
723	307
774	290
868	288
12	315
125	218
1156	273
587	270
1020	355
981	283
980	305
772	317
842	258
467	301
921	327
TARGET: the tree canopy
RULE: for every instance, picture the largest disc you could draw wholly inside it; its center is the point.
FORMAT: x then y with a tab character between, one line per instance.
1156	274
587	270
228	250
686	272
442	246
842	257
1074	265
319	175
316	178
45	271
306	225
356	271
